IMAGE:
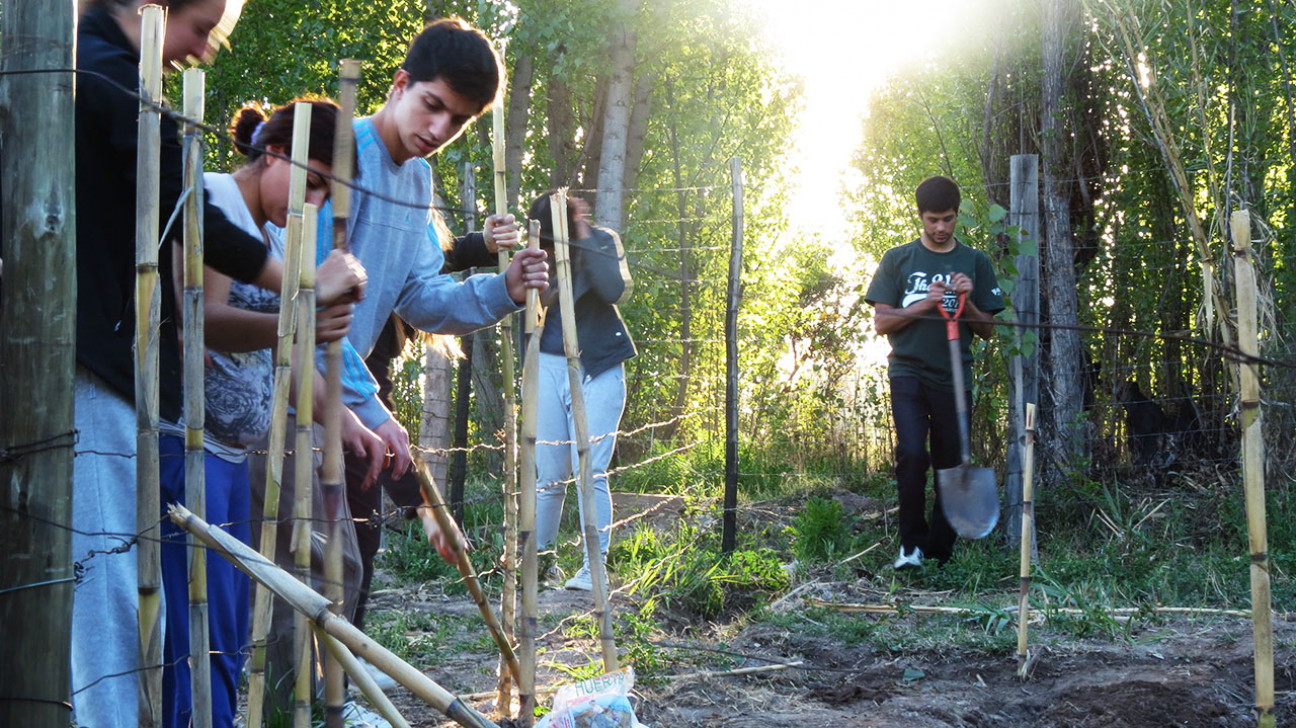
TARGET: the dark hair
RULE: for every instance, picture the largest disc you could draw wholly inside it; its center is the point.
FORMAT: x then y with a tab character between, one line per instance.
253	132
542	210
938	194
172	6
460	55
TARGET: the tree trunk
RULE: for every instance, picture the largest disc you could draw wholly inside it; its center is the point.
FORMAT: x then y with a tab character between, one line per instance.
488	383
37	364
592	152
562	129
434	429
643	96
1062	394
616	121
519	107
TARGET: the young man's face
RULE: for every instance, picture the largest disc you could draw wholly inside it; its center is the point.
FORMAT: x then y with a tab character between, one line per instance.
428	115
938	227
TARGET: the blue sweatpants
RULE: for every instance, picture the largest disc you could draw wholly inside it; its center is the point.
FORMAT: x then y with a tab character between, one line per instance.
228	495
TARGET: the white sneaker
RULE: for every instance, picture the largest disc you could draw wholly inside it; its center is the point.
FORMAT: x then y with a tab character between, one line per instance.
581	581
386	683
913	559
355	715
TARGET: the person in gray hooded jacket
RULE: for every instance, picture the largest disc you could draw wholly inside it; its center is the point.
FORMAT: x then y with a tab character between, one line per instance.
600	281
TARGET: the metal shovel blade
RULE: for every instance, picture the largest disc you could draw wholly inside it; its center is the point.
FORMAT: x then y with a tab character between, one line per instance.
969	499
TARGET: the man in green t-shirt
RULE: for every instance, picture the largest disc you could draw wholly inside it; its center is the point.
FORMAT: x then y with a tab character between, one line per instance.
912	280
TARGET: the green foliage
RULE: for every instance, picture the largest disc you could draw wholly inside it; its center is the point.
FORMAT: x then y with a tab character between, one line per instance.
820	532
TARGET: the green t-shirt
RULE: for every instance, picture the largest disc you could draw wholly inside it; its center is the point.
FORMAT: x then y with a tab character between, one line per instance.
921	349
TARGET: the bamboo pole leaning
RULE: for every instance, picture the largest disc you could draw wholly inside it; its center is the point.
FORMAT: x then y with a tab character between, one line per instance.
435	503
304	458
1027	538
368	686
508	597
533	326
308	602
571	347
1253	467
147	323
263	604
194	400
333	474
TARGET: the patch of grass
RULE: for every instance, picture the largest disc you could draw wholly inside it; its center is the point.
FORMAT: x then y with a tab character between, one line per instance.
821	532
424	639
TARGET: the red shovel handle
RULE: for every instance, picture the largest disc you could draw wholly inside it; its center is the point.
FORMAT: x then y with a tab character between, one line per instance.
951	321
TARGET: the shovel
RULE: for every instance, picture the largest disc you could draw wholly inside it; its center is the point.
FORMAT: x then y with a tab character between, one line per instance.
968	495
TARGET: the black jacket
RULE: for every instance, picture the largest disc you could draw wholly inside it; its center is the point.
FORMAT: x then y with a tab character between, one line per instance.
107	130
600	280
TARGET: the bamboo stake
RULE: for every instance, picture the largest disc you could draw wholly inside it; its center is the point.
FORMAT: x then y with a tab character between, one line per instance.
195	406
598	573
534	327
333	475
508	599
304	459
435	503
309	602
368	686
1253	466
264	601
147	302
1035	614
1027	536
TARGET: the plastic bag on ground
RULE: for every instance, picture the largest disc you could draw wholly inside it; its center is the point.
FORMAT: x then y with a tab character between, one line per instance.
599	702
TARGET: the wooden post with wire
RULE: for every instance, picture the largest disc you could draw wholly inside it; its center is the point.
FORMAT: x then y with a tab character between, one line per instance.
195	405
147	324
333	474
1027	539
533	326
263	603
1253	466
566	309
508	597
303	523
729	527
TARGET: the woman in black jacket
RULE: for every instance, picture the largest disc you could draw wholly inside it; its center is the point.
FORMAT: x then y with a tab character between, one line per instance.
600	281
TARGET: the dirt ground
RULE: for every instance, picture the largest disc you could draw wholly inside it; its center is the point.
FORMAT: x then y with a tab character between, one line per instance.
1193	672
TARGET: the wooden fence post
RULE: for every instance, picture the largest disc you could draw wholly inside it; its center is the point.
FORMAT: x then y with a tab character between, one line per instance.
37	362
1253	466
729	533
147	323
1024	383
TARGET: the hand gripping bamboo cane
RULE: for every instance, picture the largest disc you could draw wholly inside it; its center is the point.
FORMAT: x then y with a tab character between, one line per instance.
303	456
1027	529
432	497
195	407
333	477
264	601
508	599
598	573
147	484
534	327
306	601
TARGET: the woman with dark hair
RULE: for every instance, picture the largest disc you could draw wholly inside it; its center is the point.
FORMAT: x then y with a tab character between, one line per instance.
241	326
600	281
105	628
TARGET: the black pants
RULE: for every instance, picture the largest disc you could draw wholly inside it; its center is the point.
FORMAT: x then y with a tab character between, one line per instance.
366	509
923	413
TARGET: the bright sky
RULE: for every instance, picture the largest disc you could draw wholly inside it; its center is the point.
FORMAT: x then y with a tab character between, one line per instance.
843	48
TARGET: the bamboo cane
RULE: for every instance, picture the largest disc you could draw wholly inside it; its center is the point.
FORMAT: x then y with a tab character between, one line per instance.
309	602
1027	531
264	601
533	325
368	686
147	302
333	475
508	599
598	574
304	459
432	497
195	406
1253	467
